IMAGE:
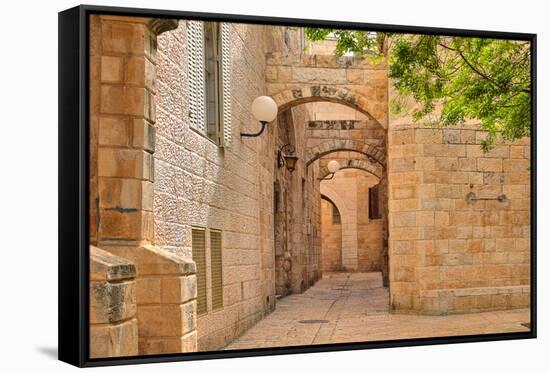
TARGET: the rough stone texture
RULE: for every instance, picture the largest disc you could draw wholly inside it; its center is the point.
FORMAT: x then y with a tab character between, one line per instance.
366	138
448	255
166	294
122	140
113	324
122	115
357	82
231	189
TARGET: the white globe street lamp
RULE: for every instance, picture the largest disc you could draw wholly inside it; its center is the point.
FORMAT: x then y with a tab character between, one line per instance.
332	166
264	109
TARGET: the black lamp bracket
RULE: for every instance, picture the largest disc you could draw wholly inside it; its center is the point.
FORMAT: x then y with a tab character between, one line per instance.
246	134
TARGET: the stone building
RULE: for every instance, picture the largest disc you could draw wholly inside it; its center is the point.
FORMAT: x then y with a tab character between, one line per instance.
196	231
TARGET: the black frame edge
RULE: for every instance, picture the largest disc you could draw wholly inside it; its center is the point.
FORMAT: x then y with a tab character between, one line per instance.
72	263
73	249
533	237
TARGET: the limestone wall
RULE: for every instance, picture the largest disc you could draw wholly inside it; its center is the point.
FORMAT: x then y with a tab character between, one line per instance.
198	184
113	323
357	82
448	255
331	239
370	232
123	93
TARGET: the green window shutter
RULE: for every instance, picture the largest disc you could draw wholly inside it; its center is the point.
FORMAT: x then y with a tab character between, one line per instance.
225	36
195	68
198	244
216	268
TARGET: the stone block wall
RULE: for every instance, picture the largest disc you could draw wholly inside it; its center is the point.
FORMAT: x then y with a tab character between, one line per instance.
199	184
113	323
357	82
306	200
328	111
370	232
123	93
331	240
122	115
449	255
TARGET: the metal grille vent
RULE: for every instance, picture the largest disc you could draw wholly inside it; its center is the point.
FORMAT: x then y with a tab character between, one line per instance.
199	256
216	268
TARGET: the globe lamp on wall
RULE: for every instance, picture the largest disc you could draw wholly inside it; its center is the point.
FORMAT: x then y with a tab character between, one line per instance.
333	167
264	109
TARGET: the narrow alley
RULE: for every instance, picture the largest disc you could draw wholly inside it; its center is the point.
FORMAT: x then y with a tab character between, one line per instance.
353	307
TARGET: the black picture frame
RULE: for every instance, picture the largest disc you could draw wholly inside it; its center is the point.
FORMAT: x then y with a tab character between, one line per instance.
73	249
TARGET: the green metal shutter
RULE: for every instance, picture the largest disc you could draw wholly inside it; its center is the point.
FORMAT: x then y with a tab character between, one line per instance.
195	69
216	268
198	236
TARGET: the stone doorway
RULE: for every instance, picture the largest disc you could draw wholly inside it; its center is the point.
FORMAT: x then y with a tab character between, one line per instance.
355	194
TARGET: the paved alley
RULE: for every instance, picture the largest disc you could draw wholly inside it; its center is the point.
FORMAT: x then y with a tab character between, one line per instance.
353	307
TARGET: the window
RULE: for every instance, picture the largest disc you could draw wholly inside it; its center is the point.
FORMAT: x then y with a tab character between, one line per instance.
209	80
198	244
212	79
335	215
214	269
374	202
216	272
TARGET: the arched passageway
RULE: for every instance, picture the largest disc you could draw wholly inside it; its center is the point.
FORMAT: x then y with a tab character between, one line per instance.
331	236
361	217
358	143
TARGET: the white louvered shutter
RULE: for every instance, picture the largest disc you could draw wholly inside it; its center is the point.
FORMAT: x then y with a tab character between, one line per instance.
195	63
226	82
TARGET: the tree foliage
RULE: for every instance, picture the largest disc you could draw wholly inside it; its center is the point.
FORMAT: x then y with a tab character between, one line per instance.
452	78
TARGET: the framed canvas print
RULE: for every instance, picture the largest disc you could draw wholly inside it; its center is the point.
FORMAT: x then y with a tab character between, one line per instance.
234	186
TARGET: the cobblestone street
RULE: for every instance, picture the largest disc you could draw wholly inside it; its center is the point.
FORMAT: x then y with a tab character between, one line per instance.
353	307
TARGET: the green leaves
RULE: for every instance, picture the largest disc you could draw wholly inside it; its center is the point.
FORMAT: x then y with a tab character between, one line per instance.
359	42
454	79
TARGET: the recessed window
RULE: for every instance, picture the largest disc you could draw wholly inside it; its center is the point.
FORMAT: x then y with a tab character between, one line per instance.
209	79
212	74
374	202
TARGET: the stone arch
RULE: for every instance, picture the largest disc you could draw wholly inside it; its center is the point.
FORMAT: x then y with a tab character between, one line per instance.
373	152
364	164
288	98
329	200
332	196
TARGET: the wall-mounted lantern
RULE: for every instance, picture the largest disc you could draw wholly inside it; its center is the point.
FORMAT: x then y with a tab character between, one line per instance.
264	109
286	156
333	166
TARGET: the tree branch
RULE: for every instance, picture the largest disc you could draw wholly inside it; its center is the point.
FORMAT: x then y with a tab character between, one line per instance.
477	71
